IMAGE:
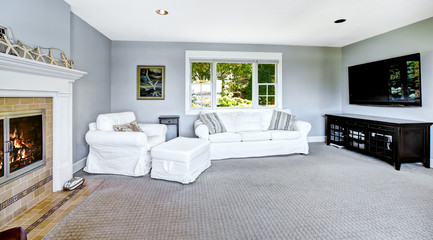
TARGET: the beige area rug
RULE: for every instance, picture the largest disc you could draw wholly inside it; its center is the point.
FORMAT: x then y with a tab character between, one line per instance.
328	194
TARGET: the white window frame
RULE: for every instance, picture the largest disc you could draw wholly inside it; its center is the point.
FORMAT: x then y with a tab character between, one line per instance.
216	56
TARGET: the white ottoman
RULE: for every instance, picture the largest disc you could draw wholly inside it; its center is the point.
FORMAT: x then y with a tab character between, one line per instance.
181	159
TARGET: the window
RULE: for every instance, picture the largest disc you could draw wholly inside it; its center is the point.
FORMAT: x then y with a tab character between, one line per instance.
220	80
201	85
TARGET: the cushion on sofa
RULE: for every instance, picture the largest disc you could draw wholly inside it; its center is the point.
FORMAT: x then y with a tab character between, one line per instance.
255	136
105	122
248	121
266	118
225	137
228	118
213	122
128	127
284	135
281	121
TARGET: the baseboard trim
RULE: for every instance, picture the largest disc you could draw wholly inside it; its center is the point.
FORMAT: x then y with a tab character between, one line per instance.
80	164
316	139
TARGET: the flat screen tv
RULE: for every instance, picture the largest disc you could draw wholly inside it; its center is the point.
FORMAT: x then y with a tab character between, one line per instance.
392	82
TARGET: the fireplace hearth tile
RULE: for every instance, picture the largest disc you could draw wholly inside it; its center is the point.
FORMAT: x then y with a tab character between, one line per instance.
44	216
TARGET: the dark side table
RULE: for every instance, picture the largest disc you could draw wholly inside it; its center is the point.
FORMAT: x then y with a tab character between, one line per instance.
170	120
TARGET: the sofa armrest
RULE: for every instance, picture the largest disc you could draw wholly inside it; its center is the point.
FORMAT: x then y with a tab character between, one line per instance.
153	129
302	126
201	130
116	139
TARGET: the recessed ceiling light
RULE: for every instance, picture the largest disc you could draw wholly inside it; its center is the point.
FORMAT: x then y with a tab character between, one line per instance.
342	20
162	12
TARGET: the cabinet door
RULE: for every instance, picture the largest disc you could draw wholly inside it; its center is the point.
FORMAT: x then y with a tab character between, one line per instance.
337	131
381	141
357	136
414	143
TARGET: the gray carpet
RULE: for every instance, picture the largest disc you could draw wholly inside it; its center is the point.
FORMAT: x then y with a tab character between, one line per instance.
328	194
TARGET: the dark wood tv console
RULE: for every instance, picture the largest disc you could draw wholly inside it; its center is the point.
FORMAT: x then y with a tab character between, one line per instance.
396	141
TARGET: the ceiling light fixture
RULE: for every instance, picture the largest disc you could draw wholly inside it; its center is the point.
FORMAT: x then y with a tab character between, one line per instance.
342	20
162	12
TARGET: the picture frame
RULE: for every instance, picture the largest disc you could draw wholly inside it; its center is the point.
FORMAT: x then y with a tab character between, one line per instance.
150	82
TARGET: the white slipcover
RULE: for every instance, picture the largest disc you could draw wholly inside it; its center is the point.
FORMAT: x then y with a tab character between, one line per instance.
248	135
125	153
181	159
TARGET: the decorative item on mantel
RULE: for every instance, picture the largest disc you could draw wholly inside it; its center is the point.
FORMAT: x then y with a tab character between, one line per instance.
19	49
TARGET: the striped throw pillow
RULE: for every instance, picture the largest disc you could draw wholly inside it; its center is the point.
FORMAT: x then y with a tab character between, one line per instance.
281	121
213	122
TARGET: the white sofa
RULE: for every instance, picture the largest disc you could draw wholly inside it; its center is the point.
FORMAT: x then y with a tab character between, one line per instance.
125	153
248	135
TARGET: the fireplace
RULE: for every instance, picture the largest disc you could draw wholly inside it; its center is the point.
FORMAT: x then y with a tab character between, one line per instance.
27	85
22	133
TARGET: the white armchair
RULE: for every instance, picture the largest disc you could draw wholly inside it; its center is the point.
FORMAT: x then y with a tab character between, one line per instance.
125	153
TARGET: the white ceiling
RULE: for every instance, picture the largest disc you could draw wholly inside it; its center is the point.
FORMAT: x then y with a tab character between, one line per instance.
282	22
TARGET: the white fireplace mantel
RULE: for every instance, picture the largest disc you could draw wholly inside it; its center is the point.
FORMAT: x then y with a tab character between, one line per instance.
21	77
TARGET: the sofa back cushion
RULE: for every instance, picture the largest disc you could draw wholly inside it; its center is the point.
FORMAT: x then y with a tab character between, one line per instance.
266	118
228	118
248	120
105	122
245	120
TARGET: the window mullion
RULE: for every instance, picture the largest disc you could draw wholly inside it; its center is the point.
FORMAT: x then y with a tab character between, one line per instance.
255	91
213	81
188	104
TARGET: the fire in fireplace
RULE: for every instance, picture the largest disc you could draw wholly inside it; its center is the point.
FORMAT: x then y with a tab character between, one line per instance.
23	136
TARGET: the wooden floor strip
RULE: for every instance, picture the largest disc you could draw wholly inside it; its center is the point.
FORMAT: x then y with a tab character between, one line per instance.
52	210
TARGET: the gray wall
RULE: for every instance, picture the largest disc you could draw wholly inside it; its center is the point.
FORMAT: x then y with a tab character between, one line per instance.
91	53
38	22
414	38
49	23
311	79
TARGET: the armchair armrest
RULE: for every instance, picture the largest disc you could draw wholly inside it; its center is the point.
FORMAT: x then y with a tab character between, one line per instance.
116	139
201	130
92	126
302	126
153	129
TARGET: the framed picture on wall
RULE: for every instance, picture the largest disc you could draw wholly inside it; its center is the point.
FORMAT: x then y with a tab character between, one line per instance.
150	82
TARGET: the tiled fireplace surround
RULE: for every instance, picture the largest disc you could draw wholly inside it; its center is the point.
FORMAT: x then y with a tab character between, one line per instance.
31	85
22	193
